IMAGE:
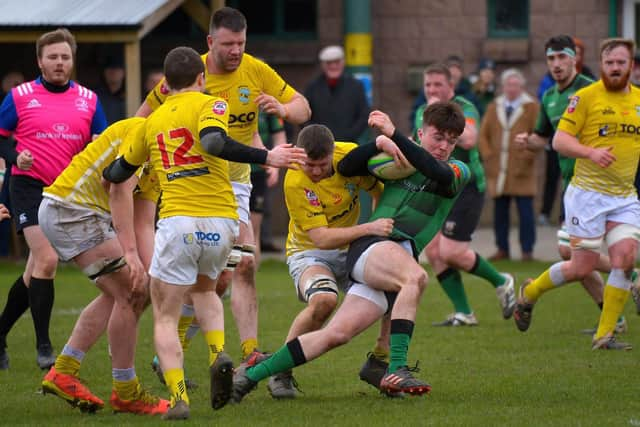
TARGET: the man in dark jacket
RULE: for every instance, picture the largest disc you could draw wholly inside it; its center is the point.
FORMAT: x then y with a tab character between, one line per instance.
337	99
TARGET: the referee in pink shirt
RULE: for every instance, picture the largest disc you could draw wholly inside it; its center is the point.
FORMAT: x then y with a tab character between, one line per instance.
52	118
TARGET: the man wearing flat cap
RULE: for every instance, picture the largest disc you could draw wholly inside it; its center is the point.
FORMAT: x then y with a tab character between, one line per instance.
337	99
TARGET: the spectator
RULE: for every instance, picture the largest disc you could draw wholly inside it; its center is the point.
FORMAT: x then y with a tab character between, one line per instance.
460	82
9	81
112	91
154	76
484	84
337	99
511	172
635	71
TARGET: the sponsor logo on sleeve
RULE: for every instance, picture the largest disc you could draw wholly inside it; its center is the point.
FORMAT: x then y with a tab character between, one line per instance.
219	107
573	103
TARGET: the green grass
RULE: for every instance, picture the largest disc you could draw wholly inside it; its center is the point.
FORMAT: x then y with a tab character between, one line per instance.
488	375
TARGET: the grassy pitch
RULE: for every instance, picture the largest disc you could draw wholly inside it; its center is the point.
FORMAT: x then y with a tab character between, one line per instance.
489	375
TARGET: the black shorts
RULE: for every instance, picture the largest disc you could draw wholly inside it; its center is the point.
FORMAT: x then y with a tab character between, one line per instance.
258	191
26	195
465	214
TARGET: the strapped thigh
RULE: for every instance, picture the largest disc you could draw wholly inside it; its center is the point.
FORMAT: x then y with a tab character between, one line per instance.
318	284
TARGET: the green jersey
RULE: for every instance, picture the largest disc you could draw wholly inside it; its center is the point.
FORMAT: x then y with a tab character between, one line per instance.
554	102
417	210
470	157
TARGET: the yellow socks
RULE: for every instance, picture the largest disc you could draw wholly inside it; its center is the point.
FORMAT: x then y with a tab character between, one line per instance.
126	390
539	286
613	304
248	346
381	353
215	342
175	382
67	365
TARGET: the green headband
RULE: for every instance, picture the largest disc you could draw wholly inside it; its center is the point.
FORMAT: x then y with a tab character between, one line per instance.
566	50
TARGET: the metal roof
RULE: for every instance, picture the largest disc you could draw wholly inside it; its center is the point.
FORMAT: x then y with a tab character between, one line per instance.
82	13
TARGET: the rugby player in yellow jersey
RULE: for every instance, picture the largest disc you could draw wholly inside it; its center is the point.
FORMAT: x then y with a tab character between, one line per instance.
188	148
601	129
323	209
75	217
247	85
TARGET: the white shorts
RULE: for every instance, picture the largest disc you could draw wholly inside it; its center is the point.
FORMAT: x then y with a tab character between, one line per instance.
587	212
187	246
243	195
335	260
375	296
73	229
357	272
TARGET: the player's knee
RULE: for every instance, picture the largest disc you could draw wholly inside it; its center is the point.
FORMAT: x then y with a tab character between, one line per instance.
322	305
47	263
433	254
418	277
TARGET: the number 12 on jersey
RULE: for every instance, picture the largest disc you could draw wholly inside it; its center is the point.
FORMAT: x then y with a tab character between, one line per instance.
182	140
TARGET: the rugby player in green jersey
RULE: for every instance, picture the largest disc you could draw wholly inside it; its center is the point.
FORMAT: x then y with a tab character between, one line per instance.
561	61
418	205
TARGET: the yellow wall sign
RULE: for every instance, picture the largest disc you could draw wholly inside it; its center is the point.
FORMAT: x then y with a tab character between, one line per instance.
358	49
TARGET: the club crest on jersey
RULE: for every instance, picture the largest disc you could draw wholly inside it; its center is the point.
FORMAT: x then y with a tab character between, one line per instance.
243	93
60	127
337	198
82	104
573	103
312	197
219	107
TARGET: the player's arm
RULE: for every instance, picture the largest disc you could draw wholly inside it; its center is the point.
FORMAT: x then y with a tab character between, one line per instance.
355	162
296	111
542	131
144	110
469	137
216	142
569	146
4	212
337	237
531	141
122	217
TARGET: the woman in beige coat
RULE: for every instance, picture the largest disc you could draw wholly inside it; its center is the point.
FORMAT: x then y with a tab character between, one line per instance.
510	172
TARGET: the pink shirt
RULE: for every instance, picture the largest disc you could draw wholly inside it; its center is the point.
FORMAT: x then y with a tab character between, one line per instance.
53	126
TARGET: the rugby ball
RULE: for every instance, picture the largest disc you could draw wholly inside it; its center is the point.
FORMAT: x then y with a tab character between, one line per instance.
383	166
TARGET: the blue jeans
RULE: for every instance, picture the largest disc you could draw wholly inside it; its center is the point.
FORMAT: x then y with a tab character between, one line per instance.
501	222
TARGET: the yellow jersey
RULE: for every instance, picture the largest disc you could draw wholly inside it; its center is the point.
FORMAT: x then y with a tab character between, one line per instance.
331	202
600	119
81	182
193	182
240	89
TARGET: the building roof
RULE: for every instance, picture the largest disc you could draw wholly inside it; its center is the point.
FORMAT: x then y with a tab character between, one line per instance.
77	13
